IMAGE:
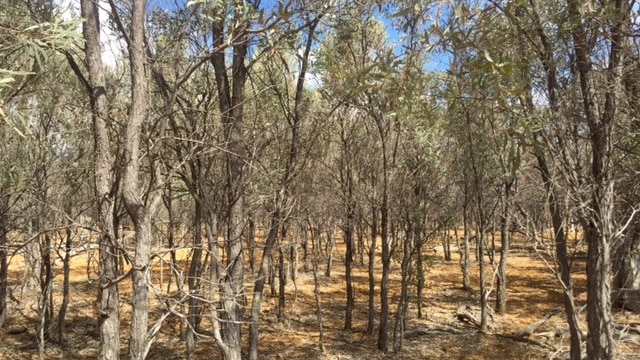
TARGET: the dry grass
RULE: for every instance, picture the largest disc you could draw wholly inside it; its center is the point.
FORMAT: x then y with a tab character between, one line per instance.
533	292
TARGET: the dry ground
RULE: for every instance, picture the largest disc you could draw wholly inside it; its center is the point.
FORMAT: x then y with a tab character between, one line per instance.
533	292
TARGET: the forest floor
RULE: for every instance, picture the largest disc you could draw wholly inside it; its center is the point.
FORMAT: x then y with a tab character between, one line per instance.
533	293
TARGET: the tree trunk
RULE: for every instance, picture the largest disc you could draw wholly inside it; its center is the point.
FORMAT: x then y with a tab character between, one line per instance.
108	297
505	220
466	258
446	244
598	218
627	265
554	201
316	292
418	236
282	282
348	258
382	124
371	272
231	99
193	282
330	246
251	242
62	313
384	282
4	271
484	306
403	303
139	212
258	287
45	303
361	237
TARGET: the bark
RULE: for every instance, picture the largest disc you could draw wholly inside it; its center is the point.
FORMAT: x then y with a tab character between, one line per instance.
446	244
259	286
316	292
420	269
361	237
62	313
598	222
627	263
557	219
278	216
466	254
348	259
193	282
482	220
231	99
168	201
484	311
554	201
386	246
505	220
4	229
108	304
371	272
251	242
282	282
403	304
139	212
45	303
330	245
346	181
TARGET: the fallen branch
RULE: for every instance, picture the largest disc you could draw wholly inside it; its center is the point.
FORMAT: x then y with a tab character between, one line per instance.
529	330
526	340
626	329
465	316
426	330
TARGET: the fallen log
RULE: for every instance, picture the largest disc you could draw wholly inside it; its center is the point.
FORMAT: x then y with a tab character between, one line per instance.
527	340
426	330
529	330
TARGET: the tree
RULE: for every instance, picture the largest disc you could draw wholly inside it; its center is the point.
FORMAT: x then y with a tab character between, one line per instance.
103	162
600	113
279	212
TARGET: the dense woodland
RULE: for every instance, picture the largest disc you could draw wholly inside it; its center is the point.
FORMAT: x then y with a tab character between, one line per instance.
239	143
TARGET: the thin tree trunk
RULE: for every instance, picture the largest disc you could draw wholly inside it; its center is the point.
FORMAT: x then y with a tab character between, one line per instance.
231	99
553	198
45	302
371	270
403	303
259	285
384	282
251	242
361	237
4	271
466	258
193	282
446	244
505	219
330	246
168	201
282	282
316	292
348	258
305	248
484	306
62	313
420	270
